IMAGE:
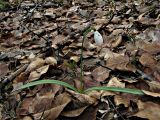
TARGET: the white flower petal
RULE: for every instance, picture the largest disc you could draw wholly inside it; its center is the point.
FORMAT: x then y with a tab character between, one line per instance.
98	38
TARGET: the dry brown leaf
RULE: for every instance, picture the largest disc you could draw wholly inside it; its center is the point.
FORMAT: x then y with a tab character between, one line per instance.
38	62
118	31
75	58
95	94
116	19
90	82
148	110
115	82
23	77
147	60
27	118
154	86
41	103
35	75
106	53
50	12
121	100
152	48
51	61
117	41
100	74
26	105
48	90
60	103
3	69
74	113
120	62
59	39
89	114
153	94
83	98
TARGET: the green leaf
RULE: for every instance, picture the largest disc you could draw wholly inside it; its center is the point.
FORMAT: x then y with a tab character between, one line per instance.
116	89
39	82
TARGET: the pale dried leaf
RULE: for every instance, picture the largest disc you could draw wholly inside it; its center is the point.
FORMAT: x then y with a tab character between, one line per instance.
86	99
51	61
35	75
115	82
153	94
38	62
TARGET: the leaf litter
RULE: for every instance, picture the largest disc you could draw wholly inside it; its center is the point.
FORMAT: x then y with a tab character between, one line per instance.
43	39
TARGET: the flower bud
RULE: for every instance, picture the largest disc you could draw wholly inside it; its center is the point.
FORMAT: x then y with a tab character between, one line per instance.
98	38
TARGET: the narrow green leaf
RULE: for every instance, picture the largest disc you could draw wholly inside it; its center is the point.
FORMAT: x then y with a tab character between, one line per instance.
57	82
115	89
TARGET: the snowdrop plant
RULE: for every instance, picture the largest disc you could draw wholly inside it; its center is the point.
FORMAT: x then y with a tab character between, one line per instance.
99	41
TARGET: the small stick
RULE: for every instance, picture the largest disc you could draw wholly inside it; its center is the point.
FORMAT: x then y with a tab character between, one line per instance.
13	75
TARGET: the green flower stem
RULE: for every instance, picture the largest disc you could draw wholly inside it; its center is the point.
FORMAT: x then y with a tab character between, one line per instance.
81	58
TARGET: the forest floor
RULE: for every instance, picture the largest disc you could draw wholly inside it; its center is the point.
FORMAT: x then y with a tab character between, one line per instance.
42	40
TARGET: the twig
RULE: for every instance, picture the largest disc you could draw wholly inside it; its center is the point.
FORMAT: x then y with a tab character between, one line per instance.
13	75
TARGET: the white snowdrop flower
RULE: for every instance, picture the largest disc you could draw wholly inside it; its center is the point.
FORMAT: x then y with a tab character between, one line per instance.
98	38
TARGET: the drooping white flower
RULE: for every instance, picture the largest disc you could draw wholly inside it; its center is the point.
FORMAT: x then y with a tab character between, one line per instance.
98	38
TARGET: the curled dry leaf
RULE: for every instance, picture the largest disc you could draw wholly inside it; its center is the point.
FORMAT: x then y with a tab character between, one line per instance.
117	41
121	100
83	98
106	53
154	86
74	58
35	75
153	94
114	82
100	74
51	61
38	62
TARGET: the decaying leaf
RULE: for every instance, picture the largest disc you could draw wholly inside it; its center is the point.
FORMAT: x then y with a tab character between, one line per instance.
60	103
3	69
148	110
148	60
100	74
74	113
120	62
152	48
